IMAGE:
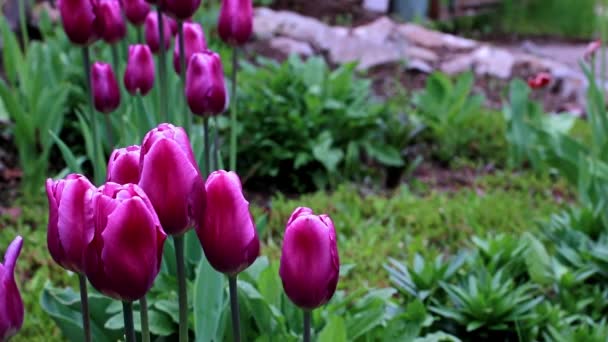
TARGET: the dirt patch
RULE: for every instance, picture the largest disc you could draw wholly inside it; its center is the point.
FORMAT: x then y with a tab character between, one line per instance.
336	12
10	173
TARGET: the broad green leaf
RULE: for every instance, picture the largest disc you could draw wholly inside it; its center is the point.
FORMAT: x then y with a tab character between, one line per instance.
208	302
334	331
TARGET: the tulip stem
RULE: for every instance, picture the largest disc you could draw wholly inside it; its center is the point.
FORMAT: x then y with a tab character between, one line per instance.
183	294
162	66
233	110
127	311
234	308
206	134
307	319
115	58
182	66
216	145
109	131
145	327
140	36
95	160
23	24
84	307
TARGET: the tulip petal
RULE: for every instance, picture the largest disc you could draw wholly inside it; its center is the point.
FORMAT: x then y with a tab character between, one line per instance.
130	248
71	224
11	304
52	237
167	177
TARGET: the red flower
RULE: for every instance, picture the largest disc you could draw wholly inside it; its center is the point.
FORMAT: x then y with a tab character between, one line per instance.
539	81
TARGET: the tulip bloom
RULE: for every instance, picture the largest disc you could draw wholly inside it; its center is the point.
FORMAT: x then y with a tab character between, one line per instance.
171	178
205	87
310	264
67	217
136	11
227	231
180	9
11	305
152	34
113	26
106	94
140	74
79	21
126	242
235	23
194	41
123	166
539	81
592	49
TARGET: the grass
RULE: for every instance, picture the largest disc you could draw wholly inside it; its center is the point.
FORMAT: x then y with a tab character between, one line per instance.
370	229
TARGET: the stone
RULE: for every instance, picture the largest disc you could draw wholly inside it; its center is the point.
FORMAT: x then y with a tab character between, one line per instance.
493	62
380	6
377	31
419	65
300	27
290	46
265	25
457	64
414	52
420	36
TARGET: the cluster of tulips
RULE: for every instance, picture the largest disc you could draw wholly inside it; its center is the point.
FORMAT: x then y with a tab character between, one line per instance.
112	234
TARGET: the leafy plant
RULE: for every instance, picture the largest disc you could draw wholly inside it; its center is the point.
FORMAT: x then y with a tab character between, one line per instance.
305	126
448	109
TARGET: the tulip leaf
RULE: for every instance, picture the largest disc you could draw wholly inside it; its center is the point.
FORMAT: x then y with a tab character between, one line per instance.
63	305
334	331
160	323
170	307
67	154
208	302
194	252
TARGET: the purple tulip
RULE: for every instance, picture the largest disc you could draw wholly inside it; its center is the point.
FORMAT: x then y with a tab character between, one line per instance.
113	26
126	242
139	75
80	23
151	32
123	167
227	231
180	9
310	264
11	305
235	23
67	217
136	11
171	178
205	87
194	41
106	94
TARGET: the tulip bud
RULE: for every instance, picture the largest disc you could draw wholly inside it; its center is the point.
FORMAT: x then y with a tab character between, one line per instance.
539	81
194	41
125	250
79	21
123	166
136	11
205	87
139	75
171	178
227	231
592	49
11	305
173	26
235	23
152	34
113	26
67	216
180	9
310	264
106	94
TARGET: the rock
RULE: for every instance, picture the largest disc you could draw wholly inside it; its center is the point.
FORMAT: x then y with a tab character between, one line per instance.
377	31
301	28
419	65
331	36
265	25
418	35
494	62
458	64
290	46
380	6
414	52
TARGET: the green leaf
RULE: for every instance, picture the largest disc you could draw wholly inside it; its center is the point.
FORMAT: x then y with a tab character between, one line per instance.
73	164
385	154
325	154
11	52
334	331
538	261
208	302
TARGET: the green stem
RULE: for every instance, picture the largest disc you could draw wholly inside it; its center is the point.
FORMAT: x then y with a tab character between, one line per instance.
307	319
162	67
140	36
206	136
145	326
84	307
115	59
216	144
109	133
234	308
233	111
98	177
182	67
183	294
23	24
127	311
